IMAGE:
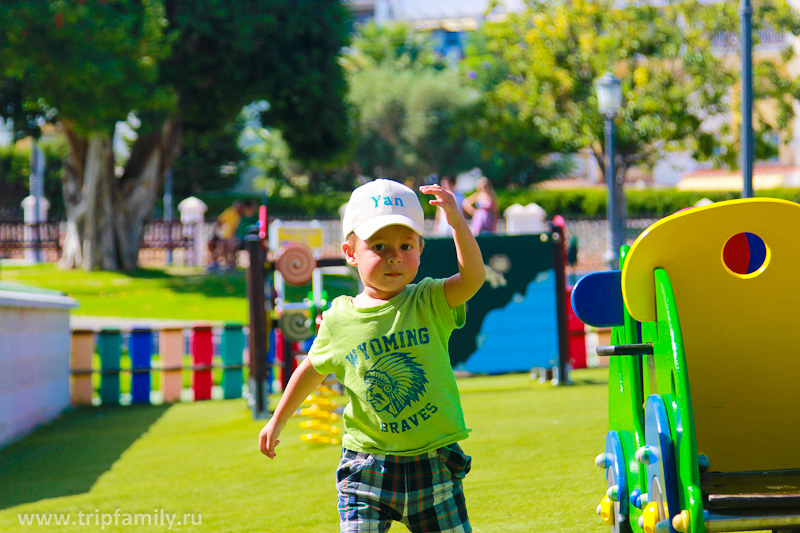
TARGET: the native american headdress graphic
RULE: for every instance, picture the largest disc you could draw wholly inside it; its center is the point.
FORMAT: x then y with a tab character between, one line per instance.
394	381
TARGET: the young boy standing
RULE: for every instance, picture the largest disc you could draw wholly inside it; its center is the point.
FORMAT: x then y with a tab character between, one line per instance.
389	347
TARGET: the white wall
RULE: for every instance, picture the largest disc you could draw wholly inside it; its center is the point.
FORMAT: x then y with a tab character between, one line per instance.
34	361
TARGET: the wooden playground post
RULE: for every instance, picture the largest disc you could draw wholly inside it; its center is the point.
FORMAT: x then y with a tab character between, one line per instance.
258	326
171	347
231	348
81	354
109	347
140	347
559	265
202	357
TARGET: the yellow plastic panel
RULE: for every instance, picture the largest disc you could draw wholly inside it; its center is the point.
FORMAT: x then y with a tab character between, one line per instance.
741	333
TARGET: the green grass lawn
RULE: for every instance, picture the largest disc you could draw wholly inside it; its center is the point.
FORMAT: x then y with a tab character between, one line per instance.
533	449
171	293
167	293
533	445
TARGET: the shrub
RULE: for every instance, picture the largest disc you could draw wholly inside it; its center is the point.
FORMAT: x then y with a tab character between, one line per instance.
650	203
572	203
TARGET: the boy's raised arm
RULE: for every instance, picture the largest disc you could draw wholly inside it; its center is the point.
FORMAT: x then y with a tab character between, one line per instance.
471	273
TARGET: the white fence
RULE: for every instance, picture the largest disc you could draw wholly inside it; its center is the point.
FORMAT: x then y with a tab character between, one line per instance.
160	238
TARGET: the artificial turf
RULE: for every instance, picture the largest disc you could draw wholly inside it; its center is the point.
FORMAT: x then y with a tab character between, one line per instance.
533	447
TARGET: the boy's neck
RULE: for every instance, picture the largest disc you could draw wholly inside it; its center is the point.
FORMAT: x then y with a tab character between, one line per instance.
365	301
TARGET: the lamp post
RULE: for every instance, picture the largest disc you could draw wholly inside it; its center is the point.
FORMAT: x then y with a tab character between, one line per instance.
168	212
748	152
609	100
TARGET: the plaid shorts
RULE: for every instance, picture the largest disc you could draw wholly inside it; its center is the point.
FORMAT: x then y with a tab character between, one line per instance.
423	492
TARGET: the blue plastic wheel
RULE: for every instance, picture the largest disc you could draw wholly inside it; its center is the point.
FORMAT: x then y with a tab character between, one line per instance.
662	484
617	476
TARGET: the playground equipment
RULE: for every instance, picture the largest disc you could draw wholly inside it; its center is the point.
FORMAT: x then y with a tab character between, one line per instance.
324	413
296	247
108	343
704	387
518	320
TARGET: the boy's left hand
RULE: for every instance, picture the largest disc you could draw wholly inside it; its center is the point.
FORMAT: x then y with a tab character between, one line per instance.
446	201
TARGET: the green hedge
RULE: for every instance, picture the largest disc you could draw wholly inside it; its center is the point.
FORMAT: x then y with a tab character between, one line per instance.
590	203
644	203
305	206
316	206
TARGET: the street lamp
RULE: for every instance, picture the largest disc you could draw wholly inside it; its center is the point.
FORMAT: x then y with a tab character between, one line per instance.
748	151
609	100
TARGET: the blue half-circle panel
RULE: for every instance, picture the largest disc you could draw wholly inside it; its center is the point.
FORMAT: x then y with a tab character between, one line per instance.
597	299
758	252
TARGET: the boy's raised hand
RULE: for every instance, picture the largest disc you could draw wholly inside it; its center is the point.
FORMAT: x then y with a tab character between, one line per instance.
460	287
446	201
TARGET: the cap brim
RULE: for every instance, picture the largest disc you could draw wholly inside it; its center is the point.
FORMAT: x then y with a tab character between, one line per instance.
372	226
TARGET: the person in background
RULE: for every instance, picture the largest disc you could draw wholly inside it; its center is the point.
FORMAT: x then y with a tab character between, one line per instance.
224	230
249	217
483	207
440	226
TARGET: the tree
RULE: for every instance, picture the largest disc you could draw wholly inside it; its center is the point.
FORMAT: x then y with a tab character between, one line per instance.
539	67
515	143
407	103
209	162
181	68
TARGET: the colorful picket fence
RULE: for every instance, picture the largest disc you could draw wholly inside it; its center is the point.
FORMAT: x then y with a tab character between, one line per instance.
107	346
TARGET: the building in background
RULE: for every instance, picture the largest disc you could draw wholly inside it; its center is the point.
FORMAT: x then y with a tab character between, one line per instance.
448	21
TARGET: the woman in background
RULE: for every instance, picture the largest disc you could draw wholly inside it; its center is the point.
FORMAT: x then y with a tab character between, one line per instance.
483	208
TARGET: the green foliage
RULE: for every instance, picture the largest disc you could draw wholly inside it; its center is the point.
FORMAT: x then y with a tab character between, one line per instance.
15	176
209	162
300	206
93	61
405	110
395	46
412	117
517	144
774	90
414	114
97	62
538	68
269	154
233	53
648	203
405	121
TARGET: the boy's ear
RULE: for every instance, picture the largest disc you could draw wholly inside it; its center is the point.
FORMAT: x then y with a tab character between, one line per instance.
349	253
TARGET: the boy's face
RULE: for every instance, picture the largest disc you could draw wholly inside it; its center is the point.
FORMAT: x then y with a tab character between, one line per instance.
387	261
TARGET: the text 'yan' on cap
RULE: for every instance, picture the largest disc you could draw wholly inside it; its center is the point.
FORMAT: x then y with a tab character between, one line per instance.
381	203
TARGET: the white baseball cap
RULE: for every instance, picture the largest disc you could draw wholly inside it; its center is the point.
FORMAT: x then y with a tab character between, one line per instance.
381	203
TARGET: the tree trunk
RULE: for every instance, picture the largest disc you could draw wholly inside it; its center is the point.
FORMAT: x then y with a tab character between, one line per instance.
107	214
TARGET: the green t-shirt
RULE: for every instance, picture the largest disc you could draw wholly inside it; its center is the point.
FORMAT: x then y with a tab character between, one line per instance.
394	364
244	226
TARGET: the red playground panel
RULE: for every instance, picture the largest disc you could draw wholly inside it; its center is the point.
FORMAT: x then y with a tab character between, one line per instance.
202	354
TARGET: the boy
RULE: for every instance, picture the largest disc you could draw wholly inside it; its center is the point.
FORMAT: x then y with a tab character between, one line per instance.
401	459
